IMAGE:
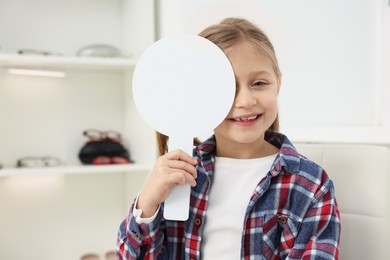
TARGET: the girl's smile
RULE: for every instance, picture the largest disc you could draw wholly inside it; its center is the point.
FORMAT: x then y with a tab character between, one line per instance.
246	120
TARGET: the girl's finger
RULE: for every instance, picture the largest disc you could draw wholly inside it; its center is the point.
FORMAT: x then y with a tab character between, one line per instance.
182	156
181	165
181	177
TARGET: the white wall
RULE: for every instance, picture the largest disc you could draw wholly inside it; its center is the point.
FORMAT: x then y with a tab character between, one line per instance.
332	53
386	63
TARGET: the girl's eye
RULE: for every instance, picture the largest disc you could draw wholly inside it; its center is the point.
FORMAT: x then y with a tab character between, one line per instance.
259	84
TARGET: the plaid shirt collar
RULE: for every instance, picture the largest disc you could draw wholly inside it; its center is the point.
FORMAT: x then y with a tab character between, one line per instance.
288	157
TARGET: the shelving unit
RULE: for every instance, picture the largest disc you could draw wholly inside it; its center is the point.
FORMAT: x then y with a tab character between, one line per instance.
118	70
44	116
73	64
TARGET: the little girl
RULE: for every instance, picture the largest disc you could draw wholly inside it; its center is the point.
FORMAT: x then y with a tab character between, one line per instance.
253	195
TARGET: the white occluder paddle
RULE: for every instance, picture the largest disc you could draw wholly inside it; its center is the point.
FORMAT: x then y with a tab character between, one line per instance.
183	86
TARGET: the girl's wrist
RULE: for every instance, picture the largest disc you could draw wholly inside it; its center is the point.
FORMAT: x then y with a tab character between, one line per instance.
148	209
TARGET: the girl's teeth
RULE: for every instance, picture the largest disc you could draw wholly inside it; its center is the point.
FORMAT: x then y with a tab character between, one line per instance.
246	118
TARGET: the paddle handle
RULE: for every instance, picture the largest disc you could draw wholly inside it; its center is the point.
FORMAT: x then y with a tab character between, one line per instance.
177	205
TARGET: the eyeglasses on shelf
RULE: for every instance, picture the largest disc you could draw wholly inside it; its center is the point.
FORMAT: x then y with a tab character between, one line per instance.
35	162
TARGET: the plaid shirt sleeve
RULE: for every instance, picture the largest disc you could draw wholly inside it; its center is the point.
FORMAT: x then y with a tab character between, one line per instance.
140	241
320	230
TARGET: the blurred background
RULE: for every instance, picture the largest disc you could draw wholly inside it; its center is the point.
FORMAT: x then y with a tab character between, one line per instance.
66	67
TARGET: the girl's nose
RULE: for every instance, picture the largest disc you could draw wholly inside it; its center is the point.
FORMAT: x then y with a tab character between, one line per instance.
244	98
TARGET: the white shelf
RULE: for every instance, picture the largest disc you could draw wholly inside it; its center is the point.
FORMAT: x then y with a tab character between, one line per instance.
64	62
79	169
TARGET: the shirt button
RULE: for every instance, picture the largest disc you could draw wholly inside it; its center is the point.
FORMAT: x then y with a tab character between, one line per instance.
198	221
283	220
137	237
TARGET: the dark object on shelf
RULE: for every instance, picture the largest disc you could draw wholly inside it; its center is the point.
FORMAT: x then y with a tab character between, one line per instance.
99	50
103	147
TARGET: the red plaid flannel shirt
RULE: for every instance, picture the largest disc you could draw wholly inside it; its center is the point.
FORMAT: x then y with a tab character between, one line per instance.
292	214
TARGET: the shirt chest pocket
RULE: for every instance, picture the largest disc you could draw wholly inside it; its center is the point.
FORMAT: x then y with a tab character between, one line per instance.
279	233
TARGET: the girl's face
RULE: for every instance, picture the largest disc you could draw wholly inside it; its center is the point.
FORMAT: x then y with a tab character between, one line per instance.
241	134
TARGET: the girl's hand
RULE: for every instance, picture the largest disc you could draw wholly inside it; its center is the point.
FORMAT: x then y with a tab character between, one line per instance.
173	168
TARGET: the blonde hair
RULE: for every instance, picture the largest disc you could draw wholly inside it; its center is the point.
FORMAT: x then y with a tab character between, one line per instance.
226	34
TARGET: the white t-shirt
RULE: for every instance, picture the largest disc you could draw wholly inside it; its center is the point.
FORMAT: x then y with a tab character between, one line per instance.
233	185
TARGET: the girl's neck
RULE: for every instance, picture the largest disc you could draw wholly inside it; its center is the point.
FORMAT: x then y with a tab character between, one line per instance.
259	148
